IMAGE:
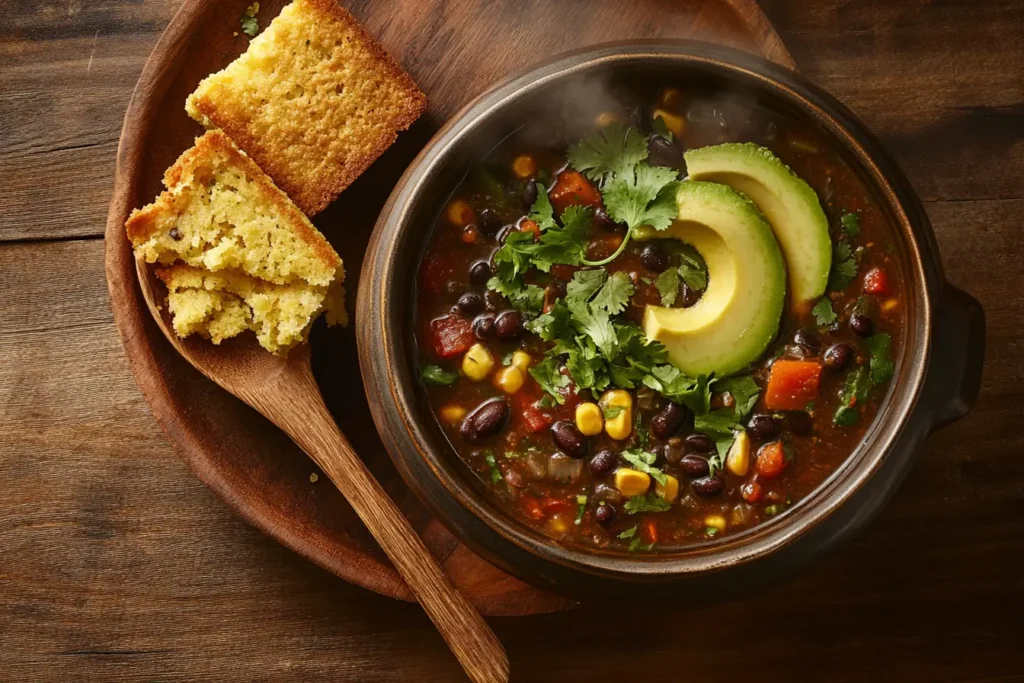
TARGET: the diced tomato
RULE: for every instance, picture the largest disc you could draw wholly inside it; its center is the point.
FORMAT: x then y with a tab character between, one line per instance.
552	505
752	492
531	506
451	335
435	273
649	531
771	460
535	420
876	282
572	187
792	384
527	225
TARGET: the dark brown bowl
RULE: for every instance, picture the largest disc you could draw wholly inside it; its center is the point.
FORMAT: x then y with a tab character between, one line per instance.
938	373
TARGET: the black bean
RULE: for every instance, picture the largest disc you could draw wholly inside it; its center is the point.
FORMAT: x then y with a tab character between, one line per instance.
809	339
862	325
603	463
668	420
708	486
490	221
604	514
569	439
661	152
471	303
673	450
509	326
480	273
485	421
654	258
529	193
557	289
838	356
604	221
695	466
700	443
483	326
763	426
503	233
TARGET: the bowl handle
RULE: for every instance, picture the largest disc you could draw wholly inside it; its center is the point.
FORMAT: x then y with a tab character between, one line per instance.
958	353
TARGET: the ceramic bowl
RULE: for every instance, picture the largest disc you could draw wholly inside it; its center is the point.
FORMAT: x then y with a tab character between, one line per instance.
938	373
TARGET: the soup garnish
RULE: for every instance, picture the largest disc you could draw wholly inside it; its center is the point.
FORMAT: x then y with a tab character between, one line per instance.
661	333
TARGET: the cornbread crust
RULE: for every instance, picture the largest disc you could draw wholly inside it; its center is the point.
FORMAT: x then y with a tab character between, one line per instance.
314	100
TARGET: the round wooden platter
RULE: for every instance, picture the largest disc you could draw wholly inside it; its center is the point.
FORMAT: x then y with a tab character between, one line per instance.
454	49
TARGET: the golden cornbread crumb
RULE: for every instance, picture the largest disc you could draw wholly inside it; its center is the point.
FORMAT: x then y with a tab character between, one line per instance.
224	304
220	211
314	101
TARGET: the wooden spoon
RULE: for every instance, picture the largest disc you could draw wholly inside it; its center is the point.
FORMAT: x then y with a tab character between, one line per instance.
284	391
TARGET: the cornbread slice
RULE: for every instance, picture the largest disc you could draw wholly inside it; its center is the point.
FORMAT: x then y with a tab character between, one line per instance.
221	211
314	101
224	304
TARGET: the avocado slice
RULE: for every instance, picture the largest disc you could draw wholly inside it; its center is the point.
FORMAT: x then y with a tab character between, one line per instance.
789	204
738	315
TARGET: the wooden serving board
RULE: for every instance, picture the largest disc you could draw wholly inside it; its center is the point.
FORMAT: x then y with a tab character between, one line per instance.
454	49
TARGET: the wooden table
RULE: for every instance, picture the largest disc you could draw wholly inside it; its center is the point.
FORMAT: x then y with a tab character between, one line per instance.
117	564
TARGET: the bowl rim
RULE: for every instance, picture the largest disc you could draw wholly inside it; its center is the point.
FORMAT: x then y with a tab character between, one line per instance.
382	329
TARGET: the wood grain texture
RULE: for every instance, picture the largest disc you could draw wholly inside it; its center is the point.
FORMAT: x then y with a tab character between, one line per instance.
242	469
117	564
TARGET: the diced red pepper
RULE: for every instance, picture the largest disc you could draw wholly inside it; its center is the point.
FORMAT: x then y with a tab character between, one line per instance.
572	187
535	420
771	460
876	282
451	335
649	530
792	384
752	492
531	506
527	225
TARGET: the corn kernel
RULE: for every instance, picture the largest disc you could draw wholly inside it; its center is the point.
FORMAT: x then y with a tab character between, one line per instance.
522	360
671	97
716	522
631	482
524	166
606	118
589	419
737	460
620	426
890	305
510	379
558	525
460	213
452	414
674	122
669	490
477	362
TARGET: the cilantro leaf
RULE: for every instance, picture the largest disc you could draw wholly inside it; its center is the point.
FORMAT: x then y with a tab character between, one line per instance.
250	25
667	285
881	364
566	245
548	374
648	503
495	472
436	376
844	267
643	461
553	324
542	213
718	424
669	381
661	130
744	391
612	412
851	223
692	269
581	508
823	313
630	197
611	150
628	533
854	392
585	283
614	294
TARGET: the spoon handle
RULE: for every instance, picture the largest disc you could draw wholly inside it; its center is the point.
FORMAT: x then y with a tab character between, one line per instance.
301	413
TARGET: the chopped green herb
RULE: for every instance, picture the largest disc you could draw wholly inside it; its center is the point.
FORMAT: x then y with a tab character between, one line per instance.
648	503
548	374
661	130
881	364
667	285
507	358
437	376
547	401
710	531
628	533
612	412
844	267
612	150
744	391
824	315
853	393
250	25
772	510
495	472
643	461
851	224
692	269
638	544
581	508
